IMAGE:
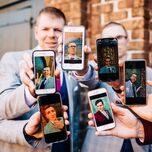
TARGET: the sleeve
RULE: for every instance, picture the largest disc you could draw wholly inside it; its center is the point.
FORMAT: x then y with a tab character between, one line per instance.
147	131
88	79
12	91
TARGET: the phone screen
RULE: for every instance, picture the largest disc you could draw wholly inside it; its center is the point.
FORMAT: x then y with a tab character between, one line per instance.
101	109
44	67
107	58
73	42
135	82
52	120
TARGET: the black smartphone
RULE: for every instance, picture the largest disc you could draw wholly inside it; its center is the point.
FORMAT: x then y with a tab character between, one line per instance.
44	68
135	82
52	120
107	59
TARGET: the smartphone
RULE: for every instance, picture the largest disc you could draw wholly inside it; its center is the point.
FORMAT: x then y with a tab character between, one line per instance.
135	82
52	120
73	42
101	109
44	68
107	59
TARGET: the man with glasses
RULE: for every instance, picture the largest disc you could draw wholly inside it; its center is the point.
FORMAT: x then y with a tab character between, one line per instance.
72	48
102	144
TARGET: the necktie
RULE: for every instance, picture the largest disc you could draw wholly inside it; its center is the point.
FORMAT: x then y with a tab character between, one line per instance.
133	88
42	84
127	146
58	84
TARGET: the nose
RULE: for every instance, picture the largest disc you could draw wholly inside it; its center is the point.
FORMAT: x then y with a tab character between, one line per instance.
51	33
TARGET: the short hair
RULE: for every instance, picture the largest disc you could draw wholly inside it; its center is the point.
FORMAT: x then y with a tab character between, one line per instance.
115	24
99	100
52	11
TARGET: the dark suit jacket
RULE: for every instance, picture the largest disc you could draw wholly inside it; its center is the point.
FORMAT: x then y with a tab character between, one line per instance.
102	119
147	131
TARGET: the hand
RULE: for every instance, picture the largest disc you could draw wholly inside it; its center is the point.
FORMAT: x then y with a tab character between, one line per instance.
33	127
26	73
87	51
58	124
144	111
127	125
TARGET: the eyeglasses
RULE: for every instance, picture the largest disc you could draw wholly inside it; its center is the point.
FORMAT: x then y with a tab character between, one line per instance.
72	46
120	37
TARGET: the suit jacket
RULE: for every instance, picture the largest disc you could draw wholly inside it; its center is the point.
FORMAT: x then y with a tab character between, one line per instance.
69	58
129	89
13	101
49	83
105	69
101	119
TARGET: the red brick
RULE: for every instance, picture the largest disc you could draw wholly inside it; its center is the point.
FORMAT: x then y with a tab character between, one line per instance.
138	11
125	4
138	55
118	15
134	24
136	45
106	8
138	3
140	34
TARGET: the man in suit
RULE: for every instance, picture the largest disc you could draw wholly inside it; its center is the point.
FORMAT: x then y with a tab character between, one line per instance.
131	88
115	30
102	116
72	49
19	116
46	82
108	68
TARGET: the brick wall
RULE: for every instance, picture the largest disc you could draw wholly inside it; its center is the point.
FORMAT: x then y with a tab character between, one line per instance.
135	15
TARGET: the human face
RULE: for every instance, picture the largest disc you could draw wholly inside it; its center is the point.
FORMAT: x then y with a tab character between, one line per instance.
116	31
100	106
133	78
50	114
46	72
48	30
107	62
72	48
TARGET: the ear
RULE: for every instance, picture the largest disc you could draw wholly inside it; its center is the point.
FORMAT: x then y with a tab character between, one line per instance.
35	32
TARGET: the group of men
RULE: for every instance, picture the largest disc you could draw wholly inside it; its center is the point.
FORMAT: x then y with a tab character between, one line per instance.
19	116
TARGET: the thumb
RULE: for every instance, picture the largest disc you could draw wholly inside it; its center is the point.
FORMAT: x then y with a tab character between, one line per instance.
117	110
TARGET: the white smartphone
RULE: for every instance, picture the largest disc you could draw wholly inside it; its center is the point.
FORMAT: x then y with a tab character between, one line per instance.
101	109
44	68
73	42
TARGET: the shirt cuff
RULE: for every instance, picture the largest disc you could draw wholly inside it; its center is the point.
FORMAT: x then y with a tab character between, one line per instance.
29	99
85	76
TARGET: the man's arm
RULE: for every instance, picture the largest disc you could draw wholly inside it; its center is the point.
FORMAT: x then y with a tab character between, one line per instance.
12	93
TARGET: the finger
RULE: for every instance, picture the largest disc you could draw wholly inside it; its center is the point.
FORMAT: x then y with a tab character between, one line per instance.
24	67
68	133
103	133
95	58
90	116
28	60
118	110
67	122
35	119
91	123
122	88
149	83
65	114
27	81
65	108
70	23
